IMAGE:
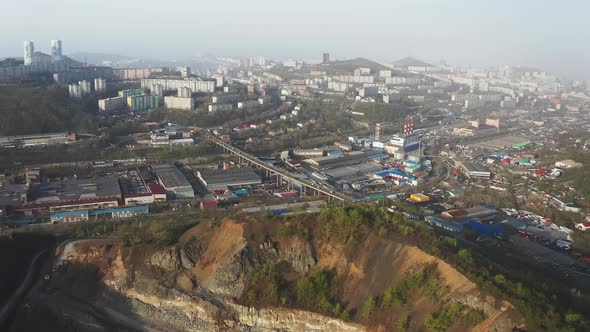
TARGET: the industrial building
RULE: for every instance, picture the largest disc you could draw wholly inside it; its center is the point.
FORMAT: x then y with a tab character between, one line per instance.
77	189
36	139
69	195
159	139
395	174
175	84
12	195
481	213
134	189
223	179
339	160
353	172
115	212
443	224
158	192
474	170
182	141
409	142
173	181
279	209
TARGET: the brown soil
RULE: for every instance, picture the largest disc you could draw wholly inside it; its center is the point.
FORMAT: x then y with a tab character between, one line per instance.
378	264
223	243
374	266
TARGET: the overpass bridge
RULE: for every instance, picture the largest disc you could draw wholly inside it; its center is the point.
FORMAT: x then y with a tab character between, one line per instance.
305	185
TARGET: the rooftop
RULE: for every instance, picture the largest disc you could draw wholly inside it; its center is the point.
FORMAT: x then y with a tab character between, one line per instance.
79	189
170	176
230	177
474	167
12	194
340	160
354	170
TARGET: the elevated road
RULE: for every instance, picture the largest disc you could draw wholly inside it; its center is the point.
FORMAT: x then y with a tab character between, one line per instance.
307	185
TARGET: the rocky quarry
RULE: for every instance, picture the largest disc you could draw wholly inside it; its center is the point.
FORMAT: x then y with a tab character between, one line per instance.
198	283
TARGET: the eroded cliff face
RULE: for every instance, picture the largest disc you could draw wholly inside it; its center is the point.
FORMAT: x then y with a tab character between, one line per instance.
194	285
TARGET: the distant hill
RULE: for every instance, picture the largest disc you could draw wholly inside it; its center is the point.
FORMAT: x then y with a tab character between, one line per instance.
411	62
40	57
350	65
101	58
10	62
197	64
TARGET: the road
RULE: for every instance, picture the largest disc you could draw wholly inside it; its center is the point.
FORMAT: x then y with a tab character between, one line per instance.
282	173
22	289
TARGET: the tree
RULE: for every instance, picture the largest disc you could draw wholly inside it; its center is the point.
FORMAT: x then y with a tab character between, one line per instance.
105	138
368	307
304	291
404	323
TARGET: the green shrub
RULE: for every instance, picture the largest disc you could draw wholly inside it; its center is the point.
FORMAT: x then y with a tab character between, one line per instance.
368	307
404	323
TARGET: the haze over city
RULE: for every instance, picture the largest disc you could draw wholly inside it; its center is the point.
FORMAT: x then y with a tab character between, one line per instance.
338	166
548	34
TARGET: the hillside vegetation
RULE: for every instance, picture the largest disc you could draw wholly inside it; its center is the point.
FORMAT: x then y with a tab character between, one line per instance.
356	266
43	109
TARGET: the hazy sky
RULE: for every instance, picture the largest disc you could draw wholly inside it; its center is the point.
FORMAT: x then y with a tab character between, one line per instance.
554	35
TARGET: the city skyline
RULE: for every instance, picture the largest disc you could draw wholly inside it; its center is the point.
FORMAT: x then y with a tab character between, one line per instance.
405	165
525	33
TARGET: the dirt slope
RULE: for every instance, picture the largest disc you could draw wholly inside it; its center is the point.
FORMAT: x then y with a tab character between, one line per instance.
193	284
379	263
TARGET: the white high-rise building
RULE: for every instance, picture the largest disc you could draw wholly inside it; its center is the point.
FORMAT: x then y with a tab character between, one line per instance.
100	84
156	89
75	90
185	71
184	92
56	50
218	80
29	52
85	87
